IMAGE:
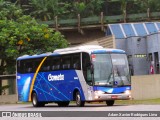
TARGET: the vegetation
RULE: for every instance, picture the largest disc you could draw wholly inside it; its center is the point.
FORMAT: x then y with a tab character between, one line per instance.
21	34
48	9
134	102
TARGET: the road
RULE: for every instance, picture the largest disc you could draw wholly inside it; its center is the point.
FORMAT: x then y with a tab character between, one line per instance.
89	110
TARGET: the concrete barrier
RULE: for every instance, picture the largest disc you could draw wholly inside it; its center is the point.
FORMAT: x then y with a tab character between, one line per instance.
8	98
145	87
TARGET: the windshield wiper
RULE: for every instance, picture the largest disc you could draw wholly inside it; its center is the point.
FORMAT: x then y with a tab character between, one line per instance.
109	77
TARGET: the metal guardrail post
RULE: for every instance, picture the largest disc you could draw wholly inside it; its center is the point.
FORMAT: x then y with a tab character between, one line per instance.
148	14
56	23
0	86
102	22
79	24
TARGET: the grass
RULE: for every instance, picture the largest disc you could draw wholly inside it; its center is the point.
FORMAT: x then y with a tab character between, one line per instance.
143	102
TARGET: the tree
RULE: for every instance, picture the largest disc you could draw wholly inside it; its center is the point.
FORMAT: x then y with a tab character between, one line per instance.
151	5
87	7
21	34
47	9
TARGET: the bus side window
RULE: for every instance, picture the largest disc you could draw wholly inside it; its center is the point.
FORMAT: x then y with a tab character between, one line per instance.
76	62
20	66
55	67
28	66
66	62
36	63
46	65
55	63
31	65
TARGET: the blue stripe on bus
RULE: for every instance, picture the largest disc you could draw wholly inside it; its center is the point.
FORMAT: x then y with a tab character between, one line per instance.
107	51
112	90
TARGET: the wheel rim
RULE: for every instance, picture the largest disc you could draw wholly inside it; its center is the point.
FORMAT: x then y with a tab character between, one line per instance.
34	99
78	99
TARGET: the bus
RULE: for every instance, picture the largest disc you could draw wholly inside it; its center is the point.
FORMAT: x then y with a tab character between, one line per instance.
87	73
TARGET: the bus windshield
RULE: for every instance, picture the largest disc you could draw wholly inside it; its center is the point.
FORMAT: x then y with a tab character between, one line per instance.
111	70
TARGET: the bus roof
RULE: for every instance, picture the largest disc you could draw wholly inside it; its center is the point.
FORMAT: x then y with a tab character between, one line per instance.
83	48
89	49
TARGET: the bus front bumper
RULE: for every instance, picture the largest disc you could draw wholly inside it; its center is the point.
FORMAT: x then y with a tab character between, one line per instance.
102	97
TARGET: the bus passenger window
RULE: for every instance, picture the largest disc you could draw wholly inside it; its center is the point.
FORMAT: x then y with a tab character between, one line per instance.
76	62
55	67
66	61
29	70
76	65
46	68
36	63
46	65
66	66
56	63
20	66
28	66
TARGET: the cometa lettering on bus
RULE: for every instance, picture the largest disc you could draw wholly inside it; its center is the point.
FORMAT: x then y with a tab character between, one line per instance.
55	77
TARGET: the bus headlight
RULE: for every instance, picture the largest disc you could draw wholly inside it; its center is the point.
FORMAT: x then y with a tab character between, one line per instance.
128	92
99	92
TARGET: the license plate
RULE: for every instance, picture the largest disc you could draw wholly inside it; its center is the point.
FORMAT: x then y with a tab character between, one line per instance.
114	96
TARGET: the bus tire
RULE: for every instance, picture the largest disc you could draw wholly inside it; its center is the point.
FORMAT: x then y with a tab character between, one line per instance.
63	104
79	102
110	102
35	101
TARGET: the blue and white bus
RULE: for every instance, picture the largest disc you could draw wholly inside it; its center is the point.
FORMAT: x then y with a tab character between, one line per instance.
85	73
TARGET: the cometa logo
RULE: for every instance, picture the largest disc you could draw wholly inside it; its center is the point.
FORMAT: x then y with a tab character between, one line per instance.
55	77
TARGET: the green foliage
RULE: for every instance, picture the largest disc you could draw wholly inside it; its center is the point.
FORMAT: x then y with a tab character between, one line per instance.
79	7
86	8
9	11
20	34
95	6
48	9
25	36
153	5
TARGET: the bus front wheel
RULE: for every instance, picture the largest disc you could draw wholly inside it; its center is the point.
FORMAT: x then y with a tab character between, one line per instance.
79	102
35	101
110	102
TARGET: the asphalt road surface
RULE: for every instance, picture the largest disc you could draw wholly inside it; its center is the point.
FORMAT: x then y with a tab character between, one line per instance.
90	111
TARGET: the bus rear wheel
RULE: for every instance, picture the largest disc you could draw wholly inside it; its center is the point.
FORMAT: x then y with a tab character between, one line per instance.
110	102
63	104
79	102
35	101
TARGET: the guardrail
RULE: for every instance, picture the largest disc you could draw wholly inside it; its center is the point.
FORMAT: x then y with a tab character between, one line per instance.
99	21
